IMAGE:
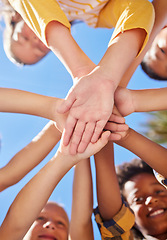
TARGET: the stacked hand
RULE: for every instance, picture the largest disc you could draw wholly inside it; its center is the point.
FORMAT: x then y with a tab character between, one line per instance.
90	104
89	110
123	100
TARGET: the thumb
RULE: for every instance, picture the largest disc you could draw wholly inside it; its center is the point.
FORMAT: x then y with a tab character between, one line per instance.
65	106
102	141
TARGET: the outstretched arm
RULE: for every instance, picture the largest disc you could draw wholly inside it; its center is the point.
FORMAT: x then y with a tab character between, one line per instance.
19	101
112	214
160	7
152	153
30	156
82	203
147	100
108	192
32	198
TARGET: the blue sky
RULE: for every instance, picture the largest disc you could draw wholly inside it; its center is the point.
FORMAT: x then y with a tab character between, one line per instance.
49	77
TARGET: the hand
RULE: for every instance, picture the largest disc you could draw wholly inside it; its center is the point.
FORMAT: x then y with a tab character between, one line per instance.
124	101
59	119
117	126
117	135
90	102
91	149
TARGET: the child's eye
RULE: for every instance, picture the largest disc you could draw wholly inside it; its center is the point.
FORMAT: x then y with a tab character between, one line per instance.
160	191
60	224
138	200
41	218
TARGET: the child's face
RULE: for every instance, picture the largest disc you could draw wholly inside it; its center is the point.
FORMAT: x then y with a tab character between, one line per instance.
156	57
26	46
52	224
148	199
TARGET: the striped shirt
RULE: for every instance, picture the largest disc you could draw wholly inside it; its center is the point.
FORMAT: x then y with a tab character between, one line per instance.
88	11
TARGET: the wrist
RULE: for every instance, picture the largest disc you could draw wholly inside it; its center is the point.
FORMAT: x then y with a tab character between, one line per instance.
125	138
54	105
65	157
82	71
135	100
103	79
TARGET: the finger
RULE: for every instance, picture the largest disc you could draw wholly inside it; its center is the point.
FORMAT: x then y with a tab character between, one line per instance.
114	127
67	103
116	118
77	136
69	128
102	141
98	130
87	135
115	111
115	137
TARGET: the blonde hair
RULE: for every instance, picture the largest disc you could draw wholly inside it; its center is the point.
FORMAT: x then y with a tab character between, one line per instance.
7	13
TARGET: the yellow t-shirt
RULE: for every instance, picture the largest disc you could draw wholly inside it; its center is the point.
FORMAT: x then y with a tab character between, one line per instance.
121	14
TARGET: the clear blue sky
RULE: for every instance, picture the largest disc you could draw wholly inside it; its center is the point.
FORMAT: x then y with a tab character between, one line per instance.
49	77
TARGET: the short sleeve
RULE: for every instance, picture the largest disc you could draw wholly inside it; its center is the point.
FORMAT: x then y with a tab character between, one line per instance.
117	228
127	15
38	13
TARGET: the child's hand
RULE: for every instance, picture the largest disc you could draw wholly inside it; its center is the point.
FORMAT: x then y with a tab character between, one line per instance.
60	119
117	126
90	104
91	149
124	101
117	135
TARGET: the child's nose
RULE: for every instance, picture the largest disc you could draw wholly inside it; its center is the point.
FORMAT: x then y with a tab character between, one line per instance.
50	225
151	200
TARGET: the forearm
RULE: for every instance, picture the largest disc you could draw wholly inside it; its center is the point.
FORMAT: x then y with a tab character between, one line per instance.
61	42
149	99
160	8
32	198
30	156
18	101
108	192
152	153
82	203
119	51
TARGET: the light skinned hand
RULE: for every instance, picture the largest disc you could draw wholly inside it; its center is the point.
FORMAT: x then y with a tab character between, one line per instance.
92	148
60	118
89	103
123	100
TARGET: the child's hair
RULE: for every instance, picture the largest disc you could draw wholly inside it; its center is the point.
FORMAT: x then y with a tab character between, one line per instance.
7	13
151	73
125	172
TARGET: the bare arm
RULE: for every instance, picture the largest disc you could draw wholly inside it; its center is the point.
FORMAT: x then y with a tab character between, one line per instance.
147	100
70	54
32	198
82	203
19	101
30	156
108	192
152	153
160	7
